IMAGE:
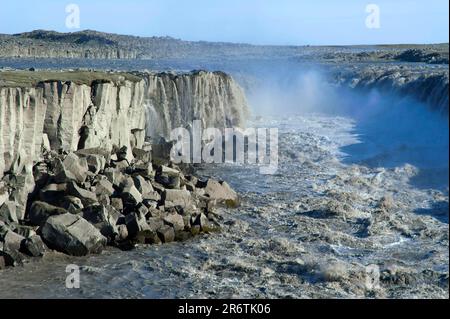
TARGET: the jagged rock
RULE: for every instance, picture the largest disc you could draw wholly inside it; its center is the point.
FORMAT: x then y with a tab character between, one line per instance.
166	234
151	197
87	186
73	168
145	170
41	174
95	152
114	176
175	220
33	246
123	232
104	199
418	55
171	182
221	192
127	181
3	229
148	237
189	186
104	186
122	154
204	223
154	212
142	155
141	209
142	185
22	230
10	247
174	182
168	177
87	198
96	163
121	165
8	212
174	197
4	195
187	221
200	192
117	203
103	219
155	223
72	235
165	170
178	210
131	196
71	203
161	151
158	187
52	193
2	258
23	185
150	203
116	215
41	211
200	183
192	179
46	147
135	224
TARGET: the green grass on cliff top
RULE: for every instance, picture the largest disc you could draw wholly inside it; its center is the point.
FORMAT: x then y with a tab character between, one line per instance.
21	78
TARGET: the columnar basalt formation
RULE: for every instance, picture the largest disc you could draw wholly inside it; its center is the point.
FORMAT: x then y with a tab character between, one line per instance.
76	171
90	111
175	100
429	86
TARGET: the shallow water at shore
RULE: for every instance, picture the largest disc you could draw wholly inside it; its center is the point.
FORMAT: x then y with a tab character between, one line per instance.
309	231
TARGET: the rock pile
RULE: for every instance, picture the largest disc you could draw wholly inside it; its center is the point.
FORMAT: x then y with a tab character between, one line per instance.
77	203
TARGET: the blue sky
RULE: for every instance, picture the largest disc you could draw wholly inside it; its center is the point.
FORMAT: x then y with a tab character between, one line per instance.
251	21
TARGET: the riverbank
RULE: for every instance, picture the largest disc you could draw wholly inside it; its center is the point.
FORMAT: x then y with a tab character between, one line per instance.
86	200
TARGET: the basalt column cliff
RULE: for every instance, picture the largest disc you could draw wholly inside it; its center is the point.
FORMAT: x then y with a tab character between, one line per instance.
76	170
72	110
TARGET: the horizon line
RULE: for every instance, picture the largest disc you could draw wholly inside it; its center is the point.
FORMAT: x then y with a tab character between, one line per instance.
228	42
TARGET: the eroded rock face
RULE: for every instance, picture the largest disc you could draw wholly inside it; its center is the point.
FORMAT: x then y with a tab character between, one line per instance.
89	114
177	99
76	173
428	86
22	115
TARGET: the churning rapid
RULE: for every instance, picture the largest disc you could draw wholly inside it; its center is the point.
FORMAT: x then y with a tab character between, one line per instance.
362	187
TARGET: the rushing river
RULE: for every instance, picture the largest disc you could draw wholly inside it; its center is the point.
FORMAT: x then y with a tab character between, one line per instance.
343	200
361	188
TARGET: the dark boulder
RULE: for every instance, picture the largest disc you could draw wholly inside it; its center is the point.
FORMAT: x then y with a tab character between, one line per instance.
166	234
33	246
40	212
87	197
72	235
